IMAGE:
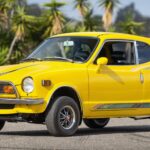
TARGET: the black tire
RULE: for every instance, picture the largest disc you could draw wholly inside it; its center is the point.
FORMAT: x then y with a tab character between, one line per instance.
58	122
96	123
2	123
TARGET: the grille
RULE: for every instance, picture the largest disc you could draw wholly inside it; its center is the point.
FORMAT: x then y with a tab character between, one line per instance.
7	106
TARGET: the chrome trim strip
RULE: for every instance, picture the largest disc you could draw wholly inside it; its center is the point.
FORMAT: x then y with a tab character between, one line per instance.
21	101
136	52
121	106
141	78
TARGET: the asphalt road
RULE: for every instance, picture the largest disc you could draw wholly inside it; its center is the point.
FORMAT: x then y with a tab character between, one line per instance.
120	134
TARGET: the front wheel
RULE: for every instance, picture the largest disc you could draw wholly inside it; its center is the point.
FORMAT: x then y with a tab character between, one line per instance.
2	123
96	123
64	117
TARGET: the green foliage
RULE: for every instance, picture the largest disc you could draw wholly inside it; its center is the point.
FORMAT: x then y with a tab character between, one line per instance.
20	26
54	5
129	20
109	6
82	6
130	27
3	53
22	23
106	3
54	18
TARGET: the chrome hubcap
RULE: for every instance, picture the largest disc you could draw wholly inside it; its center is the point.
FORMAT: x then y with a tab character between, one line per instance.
67	117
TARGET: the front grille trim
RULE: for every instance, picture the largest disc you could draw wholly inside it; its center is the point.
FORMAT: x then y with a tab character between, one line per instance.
7	106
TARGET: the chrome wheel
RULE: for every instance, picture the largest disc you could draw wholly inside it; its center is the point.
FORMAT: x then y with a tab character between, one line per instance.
64	117
67	117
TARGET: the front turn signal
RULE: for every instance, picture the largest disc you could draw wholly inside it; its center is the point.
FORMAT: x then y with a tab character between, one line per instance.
8	89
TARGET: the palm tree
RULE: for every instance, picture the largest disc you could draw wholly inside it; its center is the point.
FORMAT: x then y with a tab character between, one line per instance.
129	25
22	23
55	19
3	53
82	6
88	21
109	6
4	8
7	8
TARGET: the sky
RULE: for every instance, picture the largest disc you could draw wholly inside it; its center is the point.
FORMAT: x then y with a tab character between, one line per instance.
143	6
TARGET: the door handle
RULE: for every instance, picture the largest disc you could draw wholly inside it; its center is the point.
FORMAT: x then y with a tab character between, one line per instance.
141	78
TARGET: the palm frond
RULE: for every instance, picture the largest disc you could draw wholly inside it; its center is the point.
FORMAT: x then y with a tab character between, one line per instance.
109	6
82	6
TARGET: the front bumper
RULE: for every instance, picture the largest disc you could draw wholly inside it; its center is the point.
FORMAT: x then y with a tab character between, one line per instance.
21	101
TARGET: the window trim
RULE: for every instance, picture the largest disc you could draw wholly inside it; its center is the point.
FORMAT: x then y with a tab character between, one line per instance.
136	53
120	40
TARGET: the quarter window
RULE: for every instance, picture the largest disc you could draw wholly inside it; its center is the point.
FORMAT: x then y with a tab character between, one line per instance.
143	52
118	53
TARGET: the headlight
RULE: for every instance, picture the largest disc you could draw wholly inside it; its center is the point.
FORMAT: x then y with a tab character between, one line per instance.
28	85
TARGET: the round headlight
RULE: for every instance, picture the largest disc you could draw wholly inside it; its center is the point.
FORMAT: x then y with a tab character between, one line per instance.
28	85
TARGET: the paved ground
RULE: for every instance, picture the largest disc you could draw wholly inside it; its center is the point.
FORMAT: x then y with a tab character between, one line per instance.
120	134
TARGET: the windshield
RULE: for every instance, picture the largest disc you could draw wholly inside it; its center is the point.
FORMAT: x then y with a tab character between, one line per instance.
65	49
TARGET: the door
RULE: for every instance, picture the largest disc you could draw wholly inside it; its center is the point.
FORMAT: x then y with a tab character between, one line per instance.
116	86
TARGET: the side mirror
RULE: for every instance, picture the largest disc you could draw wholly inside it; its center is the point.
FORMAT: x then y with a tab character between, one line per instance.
101	62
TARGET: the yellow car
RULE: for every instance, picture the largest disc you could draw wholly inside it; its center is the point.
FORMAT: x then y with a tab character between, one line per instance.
92	76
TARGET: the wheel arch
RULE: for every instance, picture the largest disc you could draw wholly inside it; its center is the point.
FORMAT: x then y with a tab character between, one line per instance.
65	91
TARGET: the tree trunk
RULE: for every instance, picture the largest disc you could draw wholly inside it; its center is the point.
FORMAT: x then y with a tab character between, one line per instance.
10	50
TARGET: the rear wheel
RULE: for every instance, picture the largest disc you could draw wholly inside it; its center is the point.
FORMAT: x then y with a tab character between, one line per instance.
2	123
96	123
64	117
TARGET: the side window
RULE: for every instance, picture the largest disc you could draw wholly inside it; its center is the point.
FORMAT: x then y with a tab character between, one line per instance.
118	53
143	52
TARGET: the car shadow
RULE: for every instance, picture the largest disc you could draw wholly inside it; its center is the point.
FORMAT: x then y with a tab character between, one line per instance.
84	131
113	130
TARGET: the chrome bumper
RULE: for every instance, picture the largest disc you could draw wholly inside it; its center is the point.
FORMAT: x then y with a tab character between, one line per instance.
21	101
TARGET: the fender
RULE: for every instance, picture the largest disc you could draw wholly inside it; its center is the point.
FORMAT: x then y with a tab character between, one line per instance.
56	87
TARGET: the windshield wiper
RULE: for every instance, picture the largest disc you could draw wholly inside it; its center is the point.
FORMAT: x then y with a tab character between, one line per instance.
31	59
58	58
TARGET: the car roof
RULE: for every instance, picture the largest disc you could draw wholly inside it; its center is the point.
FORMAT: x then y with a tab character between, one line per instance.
88	34
111	35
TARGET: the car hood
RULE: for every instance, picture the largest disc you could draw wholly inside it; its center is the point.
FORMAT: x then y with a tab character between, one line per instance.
15	73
